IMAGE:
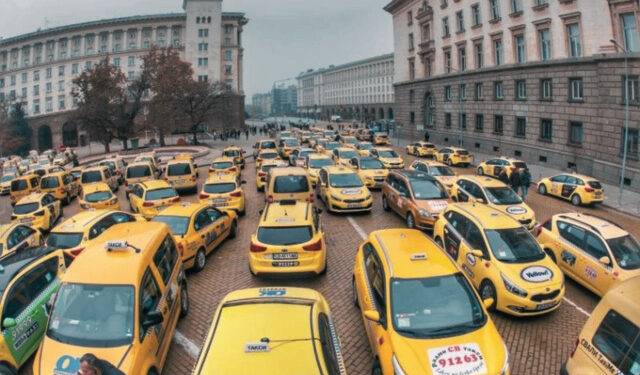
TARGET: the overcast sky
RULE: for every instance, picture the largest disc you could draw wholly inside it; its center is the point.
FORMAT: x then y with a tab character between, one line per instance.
282	39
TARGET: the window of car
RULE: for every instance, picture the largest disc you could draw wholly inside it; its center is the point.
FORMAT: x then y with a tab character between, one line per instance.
29	286
165	258
214	214
376	278
25	231
179	169
594	246
475	239
329	351
49	182
572	233
617	338
162	193
559	179
201	220
18	185
458	222
290	184
34	182
25	208
14	239
91	176
99	227
137	171
149	298
285	235
66	179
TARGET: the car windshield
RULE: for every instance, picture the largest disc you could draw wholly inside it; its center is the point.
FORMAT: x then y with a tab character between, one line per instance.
267	168
268	155
365	146
268	144
435	306
7	178
97	196
97	316
161	193
138	171
348	154
441	171
345	180
388	154
17	185
109	164
371	164
49	182
319	163
219	188
231	153
291	142
21	209
284	236
179	169
222	165
290	184
332	145
626	250
91	176
351	140
513	245
178	224
427	189
502	195
64	240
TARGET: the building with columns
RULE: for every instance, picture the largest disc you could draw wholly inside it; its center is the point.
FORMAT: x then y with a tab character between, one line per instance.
540	80
361	90
38	68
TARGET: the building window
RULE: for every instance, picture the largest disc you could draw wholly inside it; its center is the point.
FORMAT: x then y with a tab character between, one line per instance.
462	59
447	93
24	92
545	44
48	104
521	127
447	62
575	133
203	78
540	2
36	106
498	90
447	120
575	46
36	90
412	95
479	123
36	76
459	22
61	71
48	87
498	124
74	68
131	61
61	102
520	51
24	77
49	74
521	90
630	32
410	41
228	29
444	3
203	61
633	90
495	9
203	33
227	69
227	55
462	92
545	89
131	75
479	56
412	70
60	86
409	18
632	142
497	49
412	117
516	6
546	129
116	61
203	46
462	121
576	89
445	27
479	92
475	15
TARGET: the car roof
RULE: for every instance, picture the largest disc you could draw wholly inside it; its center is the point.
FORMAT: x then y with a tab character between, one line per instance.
577	175
14	262
185	209
625	298
232	147
605	228
431	163
317	155
96	168
288	171
98	186
31	198
287	213
221	159
398	247
154	184
344	149
54	174
487	216
334	169
179	161
413	174
81	220
139	164
217	178
26	176
483	180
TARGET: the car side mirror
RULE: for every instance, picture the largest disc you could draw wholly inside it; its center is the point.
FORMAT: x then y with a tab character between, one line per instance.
605	260
372	315
9	323
261	211
479	200
151	319
477	253
488	302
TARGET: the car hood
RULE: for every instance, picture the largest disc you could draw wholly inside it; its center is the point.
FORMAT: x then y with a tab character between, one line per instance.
534	277
433	206
63	359
519	211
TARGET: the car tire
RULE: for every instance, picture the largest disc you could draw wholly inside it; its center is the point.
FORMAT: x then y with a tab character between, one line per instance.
184	300
411	221
6	370
200	260
542	189
487	290
439	242
376	369
242	213
233	229
480	171
385	204
354	292
551	255
324	270
575	200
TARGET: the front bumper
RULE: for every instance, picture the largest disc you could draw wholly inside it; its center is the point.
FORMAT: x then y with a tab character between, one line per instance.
524	306
262	264
426	223
100	205
351	205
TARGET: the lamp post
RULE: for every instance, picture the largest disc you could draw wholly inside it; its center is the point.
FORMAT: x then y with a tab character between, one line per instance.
626	120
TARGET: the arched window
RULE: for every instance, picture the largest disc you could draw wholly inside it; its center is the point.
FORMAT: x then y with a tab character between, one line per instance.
429	110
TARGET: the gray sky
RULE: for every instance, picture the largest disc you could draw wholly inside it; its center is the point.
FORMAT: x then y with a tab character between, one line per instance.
283	37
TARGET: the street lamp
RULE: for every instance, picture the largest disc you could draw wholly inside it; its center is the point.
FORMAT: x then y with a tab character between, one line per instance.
626	120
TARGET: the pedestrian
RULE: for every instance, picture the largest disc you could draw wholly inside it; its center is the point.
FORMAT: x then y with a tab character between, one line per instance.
514	180
92	365
426	136
525	181
502	176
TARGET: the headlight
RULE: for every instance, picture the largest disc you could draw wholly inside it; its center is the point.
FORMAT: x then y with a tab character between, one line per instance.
424	213
335	198
505	367
513	288
397	370
367	197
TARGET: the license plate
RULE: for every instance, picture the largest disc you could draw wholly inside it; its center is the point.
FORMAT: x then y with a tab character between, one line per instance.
179	181
598	195
545	306
353	205
285	264
26	220
282	256
160	208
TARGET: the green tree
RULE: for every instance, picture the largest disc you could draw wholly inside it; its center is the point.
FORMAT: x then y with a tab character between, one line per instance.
15	133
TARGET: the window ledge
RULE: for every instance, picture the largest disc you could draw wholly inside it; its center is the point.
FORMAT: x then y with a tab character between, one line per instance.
520	99
565	1
630	156
540	7
446	36
478	130
495	20
520	136
544	140
496	133
498	99
631	104
515	14
546	100
479	99
576	145
477	26
460	32
442	6
575	100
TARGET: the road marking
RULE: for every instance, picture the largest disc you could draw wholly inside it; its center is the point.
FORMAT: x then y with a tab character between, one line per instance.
363	234
188	345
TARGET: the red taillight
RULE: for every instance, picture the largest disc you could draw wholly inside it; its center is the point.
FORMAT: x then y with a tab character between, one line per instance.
455	155
147	204
76	252
181	249
193	178
310	199
126	183
174	200
236	194
262	174
314	246
589	189
575	346
255	248
259	159
270	199
165	178
61	191
204	196
233	169
513	169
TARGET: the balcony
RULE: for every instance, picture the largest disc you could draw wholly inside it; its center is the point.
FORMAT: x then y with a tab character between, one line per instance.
425	13
427	47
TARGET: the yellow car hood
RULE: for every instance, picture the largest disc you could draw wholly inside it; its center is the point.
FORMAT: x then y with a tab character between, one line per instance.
350	193
534	277
63	359
519	211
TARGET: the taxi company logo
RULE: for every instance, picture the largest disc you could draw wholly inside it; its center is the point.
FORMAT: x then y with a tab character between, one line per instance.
67	365
351	191
272	292
516	210
536	274
471	259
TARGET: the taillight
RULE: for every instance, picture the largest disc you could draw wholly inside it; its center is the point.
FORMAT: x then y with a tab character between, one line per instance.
203	196
174	200
314	246
255	248
233	169
575	346
126	183
181	249
513	169
39	213
310	199
61	191
455	155
262	174
236	194
147	204
588	189
76	252
259	159
270	199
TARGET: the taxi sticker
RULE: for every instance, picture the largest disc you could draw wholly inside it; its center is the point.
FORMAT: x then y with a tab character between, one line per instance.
591	273
471	259
272	292
516	210
457	360
438	205
351	191
404	322
67	365
536	274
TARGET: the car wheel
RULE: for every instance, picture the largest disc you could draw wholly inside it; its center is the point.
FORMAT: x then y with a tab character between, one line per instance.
200	260
542	189
233	229
184	300
242	213
5	369
551	255
385	204
480	171
575	200
487	290
411	221
439	242
376	369
354	292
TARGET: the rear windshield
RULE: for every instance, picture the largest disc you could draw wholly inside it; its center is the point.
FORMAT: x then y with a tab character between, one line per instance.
350	140
7	178
441	171
303	154
595	184
268	144
138	171
267	168
64	240
98	196
109	164
17	185
463	152
162	193
290	184
427	189
219	188
319	163
231	153
26	208
49	182
388	154
177	224
348	154
222	165
284	235
179	169
371	164
332	145
268	155
91	176
291	142
365	146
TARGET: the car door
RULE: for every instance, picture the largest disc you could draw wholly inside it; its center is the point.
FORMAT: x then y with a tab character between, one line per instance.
556	184
453	232
392	195
569	246
205	229
14	240
403	200
47	203
471	264
443	155
27	237
374	297
462	192
598	275
569	186
324	184
135	197
149	301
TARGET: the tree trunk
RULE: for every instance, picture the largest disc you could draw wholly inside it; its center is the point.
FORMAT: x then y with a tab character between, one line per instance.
106	147
194	130
161	137
125	146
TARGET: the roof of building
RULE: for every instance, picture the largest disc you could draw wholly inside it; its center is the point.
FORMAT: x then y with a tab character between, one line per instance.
344	66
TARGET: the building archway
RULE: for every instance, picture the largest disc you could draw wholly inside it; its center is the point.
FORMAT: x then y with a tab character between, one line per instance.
44	138
381	113
70	134
390	113
429	110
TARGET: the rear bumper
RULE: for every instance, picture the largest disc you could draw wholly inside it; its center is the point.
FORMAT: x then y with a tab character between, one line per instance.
366	206
308	266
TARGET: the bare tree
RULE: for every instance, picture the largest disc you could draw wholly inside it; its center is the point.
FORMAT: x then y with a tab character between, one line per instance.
199	104
15	133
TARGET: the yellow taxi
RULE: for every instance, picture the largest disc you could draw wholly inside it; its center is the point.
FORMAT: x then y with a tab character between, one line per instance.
320	144
364	148
236	153
185	156
342	190
577	188
288	183
138	172
422	149
130	308
266	155
286	145
371	171
437	170
197	229
150	158
454	156
420	313
328	147
150	197
98	196
74	234
494	193
289	240
388	157
182	175
608	343
61	159
349	141
16	236
41	171
380	138
594	252
342	156
62	185
233	345
263	170
503	260
304	136
493	167
38	210
117	165
22	186
5	182
313	164
99	174
224	165
76	172
263	144
224	192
